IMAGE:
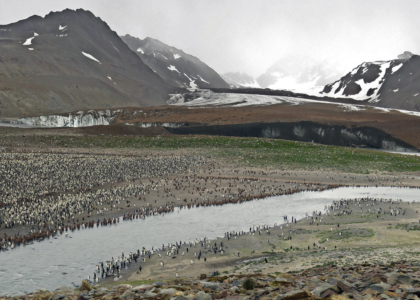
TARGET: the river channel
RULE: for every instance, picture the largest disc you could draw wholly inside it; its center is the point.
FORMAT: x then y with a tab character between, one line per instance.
66	260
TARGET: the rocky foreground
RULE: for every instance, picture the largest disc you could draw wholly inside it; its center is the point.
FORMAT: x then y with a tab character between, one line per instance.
393	281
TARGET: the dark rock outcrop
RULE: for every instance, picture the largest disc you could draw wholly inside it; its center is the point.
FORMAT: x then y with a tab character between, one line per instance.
306	132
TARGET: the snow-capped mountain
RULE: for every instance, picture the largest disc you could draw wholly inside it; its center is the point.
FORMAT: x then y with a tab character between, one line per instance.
393	84
238	80
176	67
298	73
68	61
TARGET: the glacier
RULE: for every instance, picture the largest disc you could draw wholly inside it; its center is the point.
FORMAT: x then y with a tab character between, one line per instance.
80	119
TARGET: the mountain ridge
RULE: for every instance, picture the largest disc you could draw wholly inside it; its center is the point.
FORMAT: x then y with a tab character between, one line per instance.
71	60
174	66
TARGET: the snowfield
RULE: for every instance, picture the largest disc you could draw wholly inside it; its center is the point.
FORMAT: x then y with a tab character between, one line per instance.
290	83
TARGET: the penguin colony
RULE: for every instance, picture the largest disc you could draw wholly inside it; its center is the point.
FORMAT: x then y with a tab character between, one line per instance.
46	190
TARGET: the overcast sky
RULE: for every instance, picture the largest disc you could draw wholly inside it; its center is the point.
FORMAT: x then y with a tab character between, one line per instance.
249	36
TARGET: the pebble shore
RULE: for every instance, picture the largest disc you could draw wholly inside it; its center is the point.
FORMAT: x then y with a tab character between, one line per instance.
399	280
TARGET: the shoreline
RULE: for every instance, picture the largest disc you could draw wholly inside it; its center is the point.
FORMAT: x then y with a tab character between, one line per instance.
224	261
115	218
293	258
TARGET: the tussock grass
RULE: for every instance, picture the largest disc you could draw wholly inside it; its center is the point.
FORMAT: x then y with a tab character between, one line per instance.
248	284
85	286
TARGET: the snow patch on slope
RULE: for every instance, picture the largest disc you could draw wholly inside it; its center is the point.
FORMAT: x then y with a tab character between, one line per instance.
173	68
176	56
140	50
62	27
90	56
201	78
193	85
396	68
29	41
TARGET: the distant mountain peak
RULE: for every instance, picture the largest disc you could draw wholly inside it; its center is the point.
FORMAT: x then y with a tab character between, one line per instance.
173	65
299	73
237	80
393	84
405	55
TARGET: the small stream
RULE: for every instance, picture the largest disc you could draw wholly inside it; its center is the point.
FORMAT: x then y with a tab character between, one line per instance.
63	260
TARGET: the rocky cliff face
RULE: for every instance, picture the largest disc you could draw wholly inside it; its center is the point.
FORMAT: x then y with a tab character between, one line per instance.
68	61
306	132
176	67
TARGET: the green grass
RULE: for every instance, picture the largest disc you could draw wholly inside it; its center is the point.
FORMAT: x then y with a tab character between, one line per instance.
345	234
250	152
326	264
408	227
